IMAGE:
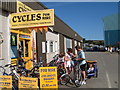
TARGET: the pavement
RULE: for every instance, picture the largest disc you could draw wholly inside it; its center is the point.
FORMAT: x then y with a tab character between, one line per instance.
108	71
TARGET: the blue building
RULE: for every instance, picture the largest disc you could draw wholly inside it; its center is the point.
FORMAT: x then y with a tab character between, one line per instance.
111	30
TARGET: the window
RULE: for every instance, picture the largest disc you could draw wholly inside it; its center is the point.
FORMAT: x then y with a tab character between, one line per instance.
0	51
51	46
68	43
13	39
48	47
56	46
24	47
1	41
13	50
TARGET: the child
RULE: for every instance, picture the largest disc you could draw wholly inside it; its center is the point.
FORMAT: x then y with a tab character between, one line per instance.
61	58
91	68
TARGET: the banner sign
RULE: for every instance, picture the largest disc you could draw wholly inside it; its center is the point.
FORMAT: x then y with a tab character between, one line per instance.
5	82
48	77
22	7
26	82
32	19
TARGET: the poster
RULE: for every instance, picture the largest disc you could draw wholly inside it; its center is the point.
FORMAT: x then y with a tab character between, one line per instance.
48	77
27	83
6	82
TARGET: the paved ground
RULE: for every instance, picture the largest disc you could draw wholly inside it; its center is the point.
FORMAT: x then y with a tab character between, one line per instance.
108	71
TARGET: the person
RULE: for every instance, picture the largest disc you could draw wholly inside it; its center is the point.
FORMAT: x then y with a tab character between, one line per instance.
70	52
110	50
61	60
90	69
82	63
61	57
68	60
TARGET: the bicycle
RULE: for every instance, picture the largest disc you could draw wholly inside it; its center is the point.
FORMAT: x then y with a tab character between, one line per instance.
60	69
33	72
75	77
13	73
53	62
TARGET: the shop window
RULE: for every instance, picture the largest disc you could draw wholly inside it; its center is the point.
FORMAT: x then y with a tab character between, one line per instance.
13	50
24	47
13	39
51	46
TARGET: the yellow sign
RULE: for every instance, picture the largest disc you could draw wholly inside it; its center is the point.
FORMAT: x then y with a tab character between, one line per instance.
32	19
22	7
5	82
48	77
26	82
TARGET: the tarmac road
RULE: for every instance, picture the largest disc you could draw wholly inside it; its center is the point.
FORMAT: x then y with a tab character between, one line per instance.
108	71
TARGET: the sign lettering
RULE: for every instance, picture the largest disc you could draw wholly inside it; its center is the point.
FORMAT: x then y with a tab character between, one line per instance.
32	19
6	82
26	82
48	78
22	7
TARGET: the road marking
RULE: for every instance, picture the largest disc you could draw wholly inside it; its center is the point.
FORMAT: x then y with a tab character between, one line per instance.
108	80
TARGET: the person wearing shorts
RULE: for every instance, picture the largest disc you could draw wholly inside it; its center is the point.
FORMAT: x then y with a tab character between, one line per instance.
68	60
82	62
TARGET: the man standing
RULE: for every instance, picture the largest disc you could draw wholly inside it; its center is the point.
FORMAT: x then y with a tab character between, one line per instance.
82	62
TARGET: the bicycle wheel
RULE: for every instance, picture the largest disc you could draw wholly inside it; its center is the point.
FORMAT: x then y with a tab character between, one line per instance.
64	79
60	72
2	70
78	78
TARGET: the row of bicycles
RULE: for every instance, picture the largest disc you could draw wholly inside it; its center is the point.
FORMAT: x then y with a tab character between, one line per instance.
19	70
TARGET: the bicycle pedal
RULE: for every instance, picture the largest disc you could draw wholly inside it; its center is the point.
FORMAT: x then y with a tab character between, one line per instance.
71	82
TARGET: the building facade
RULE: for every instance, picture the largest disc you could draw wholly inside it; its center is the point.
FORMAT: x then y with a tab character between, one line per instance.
33	44
111	30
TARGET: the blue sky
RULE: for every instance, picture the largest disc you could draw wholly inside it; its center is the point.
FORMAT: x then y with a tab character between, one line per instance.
84	17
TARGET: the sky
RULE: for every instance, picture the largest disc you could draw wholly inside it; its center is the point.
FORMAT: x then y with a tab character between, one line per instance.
84	17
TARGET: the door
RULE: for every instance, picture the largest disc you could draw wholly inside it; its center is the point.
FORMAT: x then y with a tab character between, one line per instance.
25	52
24	48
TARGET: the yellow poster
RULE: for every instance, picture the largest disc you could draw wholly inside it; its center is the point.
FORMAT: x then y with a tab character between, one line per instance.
5	82
48	77
22	7
29	83
32	19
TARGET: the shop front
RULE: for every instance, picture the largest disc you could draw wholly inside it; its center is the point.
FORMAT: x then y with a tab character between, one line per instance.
24	25
20	45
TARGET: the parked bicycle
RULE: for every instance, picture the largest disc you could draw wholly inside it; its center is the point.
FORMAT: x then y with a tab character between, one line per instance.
13	73
75	77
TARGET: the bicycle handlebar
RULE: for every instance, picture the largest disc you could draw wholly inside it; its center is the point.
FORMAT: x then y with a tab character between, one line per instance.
7	65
